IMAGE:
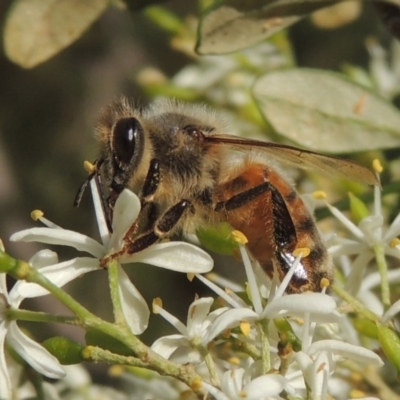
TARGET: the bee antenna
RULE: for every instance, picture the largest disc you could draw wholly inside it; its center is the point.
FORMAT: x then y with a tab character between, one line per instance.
94	172
82	188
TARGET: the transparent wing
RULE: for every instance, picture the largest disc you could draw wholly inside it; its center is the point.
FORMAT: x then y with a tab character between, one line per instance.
299	158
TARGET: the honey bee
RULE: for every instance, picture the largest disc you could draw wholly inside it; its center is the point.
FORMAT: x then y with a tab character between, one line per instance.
188	173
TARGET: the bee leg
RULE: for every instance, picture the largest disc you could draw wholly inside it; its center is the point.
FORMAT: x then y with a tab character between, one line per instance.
151	182
162	228
284	231
241	199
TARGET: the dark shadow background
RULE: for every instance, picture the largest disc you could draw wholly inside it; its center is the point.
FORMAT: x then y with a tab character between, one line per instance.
46	120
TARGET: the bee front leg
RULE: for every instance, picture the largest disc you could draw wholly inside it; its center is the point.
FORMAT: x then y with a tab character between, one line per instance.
162	228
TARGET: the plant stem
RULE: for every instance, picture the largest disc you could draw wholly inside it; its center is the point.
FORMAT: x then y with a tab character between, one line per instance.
265	348
209	362
36	316
382	268
357	306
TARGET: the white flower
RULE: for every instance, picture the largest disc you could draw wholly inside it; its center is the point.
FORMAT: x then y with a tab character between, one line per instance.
237	384
177	256
319	307
34	354
319	362
368	236
199	323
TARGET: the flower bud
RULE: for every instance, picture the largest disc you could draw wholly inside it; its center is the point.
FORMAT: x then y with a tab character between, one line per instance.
65	350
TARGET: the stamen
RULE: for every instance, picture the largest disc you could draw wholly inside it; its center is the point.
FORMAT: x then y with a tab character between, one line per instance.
285	282
251	278
178	325
245	328
36	214
190	276
319	195
157	304
116	370
377	166
89	167
346	222
221	293
224	282
234	360
302	251
39	215
324	283
394	242
239	237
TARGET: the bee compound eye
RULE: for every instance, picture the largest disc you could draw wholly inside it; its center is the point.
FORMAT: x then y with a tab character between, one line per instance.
126	135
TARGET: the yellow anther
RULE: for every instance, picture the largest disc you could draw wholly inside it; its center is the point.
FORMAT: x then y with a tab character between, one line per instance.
239	237
242	394
36	214
234	360
324	283
157	303
211	276
89	167
357	394
319	195
116	370
394	242
377	166
301	251
196	384
245	328
190	276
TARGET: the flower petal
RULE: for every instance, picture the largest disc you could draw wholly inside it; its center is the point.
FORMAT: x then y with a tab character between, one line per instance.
232	382
229	319
43	258
314	303
5	387
176	256
125	213
133	304
197	313
59	274
166	345
33	353
346	350
3	285
61	237
266	385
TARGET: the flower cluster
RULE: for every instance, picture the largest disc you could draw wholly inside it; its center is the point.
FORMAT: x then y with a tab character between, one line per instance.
260	343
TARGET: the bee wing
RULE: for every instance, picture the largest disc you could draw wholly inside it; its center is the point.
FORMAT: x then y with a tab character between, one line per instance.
300	158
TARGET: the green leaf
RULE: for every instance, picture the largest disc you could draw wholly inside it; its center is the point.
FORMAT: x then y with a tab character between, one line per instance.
65	350
94	337
326	112
36	30
231	25
390	343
